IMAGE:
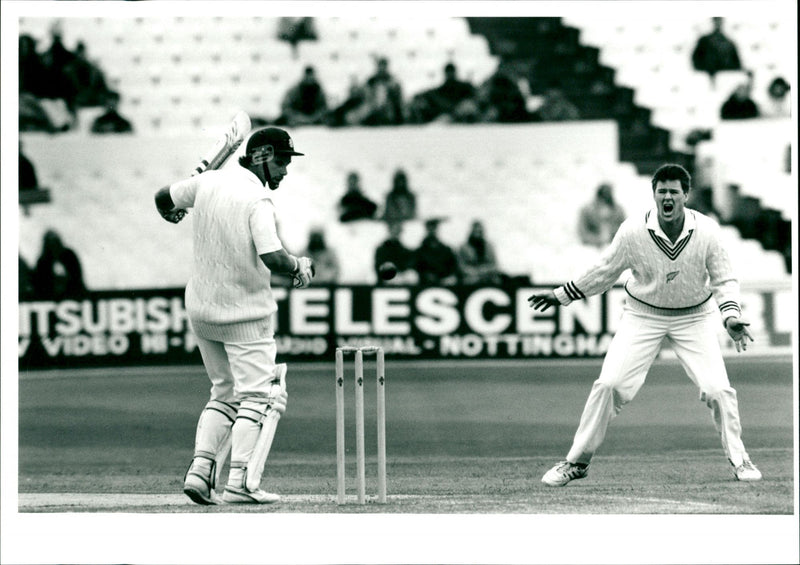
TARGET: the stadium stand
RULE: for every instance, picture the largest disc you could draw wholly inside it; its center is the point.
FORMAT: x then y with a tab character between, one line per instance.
515	184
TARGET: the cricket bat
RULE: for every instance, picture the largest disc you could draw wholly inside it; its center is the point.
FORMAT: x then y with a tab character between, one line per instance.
226	145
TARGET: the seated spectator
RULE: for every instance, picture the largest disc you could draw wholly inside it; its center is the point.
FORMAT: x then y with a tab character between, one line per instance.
392	250
326	263
58	273
382	99
501	100
778	103
304	103
452	101
346	113
355	205
401	203
477	260
435	262
26	289
90	82
27	172
59	59
600	218
739	105
111	121
295	30
33	73
716	52
556	107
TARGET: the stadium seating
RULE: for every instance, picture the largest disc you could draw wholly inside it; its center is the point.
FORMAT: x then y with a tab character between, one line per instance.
526	185
655	60
154	61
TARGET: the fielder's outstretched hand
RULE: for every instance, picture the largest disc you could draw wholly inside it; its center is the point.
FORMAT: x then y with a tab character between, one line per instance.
738	331
543	301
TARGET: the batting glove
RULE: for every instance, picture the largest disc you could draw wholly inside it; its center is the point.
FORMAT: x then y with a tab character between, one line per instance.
172	216
738	331
302	275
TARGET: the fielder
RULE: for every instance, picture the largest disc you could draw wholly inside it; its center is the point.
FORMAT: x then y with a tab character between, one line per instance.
232	311
678	265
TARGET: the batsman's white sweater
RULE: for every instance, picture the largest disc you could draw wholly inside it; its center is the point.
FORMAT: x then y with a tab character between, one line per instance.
228	296
668	279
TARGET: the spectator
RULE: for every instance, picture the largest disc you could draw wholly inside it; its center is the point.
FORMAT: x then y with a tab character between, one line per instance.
32	69
295	30
59	60
26	289
355	205
392	250
90	83
346	113
556	107
58	272
305	102
111	121
453	100
326	263
33	86
778	103
477	260
501	100
27	172
401	203
600	218
715	52
435	262
739	105
383	99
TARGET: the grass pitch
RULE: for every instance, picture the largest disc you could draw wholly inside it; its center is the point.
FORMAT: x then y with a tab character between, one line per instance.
462	438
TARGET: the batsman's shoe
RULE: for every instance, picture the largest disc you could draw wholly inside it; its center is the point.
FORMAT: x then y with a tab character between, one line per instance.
747	471
563	473
238	495
199	484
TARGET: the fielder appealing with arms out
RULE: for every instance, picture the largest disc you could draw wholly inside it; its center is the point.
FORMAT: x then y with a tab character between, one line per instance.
232	310
679	270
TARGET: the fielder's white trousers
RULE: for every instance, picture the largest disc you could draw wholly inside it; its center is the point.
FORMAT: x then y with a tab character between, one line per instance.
629	357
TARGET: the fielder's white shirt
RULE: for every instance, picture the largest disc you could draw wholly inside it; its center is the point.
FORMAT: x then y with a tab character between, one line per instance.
228	296
666	278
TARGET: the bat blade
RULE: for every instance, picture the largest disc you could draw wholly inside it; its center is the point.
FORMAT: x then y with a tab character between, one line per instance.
226	145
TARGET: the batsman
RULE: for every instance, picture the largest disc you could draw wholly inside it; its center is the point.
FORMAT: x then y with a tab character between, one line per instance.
232	312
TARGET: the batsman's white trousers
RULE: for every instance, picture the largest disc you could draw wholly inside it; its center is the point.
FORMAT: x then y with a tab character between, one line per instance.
239	370
633	349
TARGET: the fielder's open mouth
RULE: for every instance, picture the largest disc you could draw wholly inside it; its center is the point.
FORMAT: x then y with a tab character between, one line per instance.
668	207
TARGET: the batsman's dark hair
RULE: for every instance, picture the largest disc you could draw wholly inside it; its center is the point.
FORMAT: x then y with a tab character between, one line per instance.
671	171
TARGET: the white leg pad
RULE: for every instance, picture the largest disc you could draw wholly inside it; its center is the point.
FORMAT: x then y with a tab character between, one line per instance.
212	439
255	467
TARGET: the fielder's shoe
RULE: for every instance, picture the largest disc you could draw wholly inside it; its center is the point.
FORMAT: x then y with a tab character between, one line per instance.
199	485
747	471
563	473
238	495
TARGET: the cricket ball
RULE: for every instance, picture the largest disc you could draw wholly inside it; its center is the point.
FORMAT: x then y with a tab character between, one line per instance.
387	270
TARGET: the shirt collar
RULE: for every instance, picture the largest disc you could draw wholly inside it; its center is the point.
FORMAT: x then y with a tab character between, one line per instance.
689	223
